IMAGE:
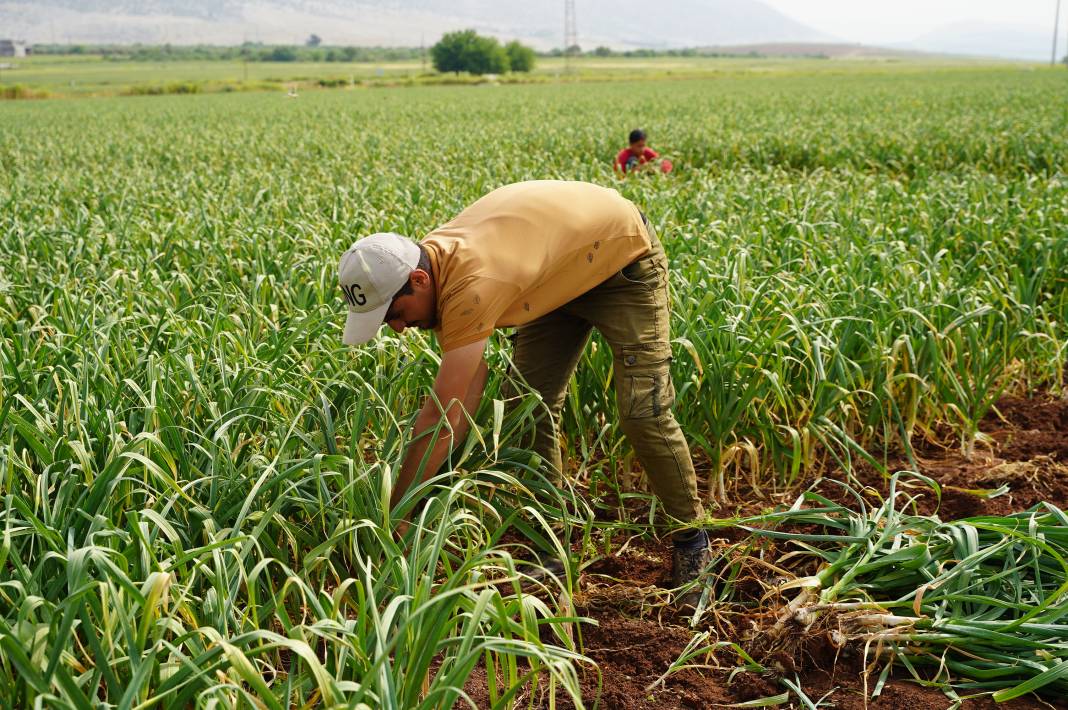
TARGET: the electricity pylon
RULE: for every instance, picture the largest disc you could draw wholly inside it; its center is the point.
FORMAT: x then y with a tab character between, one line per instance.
571	33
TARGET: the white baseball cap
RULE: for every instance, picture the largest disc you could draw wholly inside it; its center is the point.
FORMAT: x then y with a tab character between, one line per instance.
370	274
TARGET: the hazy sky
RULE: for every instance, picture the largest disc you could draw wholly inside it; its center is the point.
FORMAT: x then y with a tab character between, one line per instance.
874	21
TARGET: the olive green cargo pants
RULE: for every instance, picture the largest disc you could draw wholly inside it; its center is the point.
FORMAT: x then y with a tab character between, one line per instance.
631	311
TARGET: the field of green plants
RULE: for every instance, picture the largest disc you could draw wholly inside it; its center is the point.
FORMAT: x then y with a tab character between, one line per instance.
195	474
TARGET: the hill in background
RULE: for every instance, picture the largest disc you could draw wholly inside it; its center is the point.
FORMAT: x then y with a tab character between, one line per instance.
985	39
616	23
620	24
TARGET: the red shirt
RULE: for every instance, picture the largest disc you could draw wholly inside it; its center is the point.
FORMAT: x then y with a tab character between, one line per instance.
626	154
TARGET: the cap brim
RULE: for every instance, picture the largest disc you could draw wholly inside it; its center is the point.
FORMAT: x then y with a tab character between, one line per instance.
361	327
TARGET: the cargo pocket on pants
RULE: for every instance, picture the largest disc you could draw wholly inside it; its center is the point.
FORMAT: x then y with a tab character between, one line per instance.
644	381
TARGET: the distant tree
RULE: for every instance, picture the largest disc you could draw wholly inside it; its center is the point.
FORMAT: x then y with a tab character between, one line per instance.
574	50
520	56
279	54
468	51
313	41
448	53
602	51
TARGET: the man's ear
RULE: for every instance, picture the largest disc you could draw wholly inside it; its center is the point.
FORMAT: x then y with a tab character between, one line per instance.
420	279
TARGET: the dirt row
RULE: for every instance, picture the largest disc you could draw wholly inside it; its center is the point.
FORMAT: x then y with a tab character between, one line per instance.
637	636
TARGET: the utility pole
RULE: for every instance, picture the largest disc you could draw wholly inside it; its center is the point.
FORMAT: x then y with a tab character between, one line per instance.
571	33
1056	26
422	52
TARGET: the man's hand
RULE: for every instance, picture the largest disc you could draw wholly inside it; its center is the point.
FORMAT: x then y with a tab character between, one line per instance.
458	390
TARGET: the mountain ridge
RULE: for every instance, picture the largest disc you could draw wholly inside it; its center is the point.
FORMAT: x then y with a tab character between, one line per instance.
616	23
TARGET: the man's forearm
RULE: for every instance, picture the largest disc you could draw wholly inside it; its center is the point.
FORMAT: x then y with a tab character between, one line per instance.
423	437
424	440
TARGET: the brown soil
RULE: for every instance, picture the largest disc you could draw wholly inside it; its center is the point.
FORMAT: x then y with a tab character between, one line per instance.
637	636
1028	453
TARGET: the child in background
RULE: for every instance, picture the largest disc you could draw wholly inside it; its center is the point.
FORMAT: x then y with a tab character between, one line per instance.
637	155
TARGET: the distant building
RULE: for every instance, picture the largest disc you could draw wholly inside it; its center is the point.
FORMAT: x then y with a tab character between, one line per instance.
13	48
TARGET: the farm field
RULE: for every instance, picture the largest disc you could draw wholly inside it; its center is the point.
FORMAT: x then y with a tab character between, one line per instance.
93	75
870	308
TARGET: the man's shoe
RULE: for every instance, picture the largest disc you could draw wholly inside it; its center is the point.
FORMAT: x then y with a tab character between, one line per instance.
692	555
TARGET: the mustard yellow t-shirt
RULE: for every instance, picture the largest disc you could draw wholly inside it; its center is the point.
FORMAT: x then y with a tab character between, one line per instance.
526	249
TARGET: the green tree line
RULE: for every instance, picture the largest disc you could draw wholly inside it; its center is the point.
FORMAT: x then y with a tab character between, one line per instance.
464	50
252	52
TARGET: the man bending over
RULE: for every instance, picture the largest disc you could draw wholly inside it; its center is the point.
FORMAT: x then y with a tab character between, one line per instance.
554	260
